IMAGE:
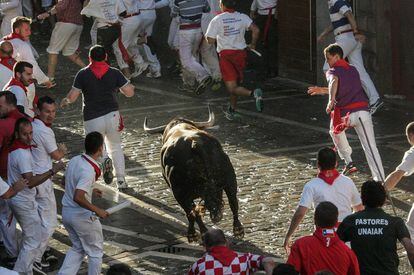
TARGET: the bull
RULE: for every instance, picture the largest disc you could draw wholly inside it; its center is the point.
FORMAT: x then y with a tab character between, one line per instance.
195	166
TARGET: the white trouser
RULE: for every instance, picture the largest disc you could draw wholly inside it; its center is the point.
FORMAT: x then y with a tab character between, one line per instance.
130	30
345	151
189	47
353	51
27	216
46	206
85	233
148	18
108	126
93	33
173	37
8	231
210	60
410	223
27	8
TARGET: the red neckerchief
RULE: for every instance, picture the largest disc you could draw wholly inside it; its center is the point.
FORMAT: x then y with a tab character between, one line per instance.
342	63
8	62
15	114
94	166
328	176
98	68
223	254
17	144
326	235
229	10
13	36
16	82
46	124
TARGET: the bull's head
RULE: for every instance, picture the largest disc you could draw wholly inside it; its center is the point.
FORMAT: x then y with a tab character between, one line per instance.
215	205
200	125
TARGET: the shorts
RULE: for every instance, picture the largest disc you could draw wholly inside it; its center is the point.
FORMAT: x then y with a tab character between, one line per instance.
65	38
232	64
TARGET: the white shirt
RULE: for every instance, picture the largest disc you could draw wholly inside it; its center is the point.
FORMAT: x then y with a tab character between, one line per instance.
407	163
131	6
45	141
343	193
5	75
263	6
79	175
4	187
228	29
19	163
22	51
22	99
105	11
146	4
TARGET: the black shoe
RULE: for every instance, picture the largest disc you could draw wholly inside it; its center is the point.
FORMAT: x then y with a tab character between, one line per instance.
49	258
107	171
349	169
203	85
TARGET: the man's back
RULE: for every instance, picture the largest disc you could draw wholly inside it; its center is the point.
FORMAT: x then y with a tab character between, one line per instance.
323	251
373	235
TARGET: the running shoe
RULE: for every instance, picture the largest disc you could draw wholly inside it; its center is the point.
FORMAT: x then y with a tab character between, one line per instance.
203	85
139	69
121	184
230	114
376	106
37	268
258	95
216	85
107	171
349	169
153	74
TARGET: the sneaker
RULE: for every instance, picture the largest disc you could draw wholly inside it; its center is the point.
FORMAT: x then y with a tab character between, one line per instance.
139	69
107	171
49	257
121	184
203	85
349	169
258	93
153	74
377	105
37	268
216	85
230	114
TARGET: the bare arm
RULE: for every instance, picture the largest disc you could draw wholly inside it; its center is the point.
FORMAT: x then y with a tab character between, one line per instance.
255	35
128	90
358	207
409	247
79	198
70	97
296	220
325	32
393	179
268	265
316	90
352	21
333	89
16	188
34	181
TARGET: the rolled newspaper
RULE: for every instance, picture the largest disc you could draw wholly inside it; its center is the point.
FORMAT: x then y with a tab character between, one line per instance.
118	207
256	52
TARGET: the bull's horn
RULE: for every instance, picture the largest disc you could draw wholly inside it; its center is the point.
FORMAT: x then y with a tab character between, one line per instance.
156	130
209	123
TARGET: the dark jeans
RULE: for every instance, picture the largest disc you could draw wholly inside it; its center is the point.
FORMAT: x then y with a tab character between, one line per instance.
269	47
106	36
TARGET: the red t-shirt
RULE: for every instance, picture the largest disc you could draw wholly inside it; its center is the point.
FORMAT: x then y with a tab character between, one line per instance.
323	251
7	128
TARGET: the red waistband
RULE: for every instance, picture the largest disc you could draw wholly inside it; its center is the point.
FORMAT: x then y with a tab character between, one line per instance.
132	14
231	52
338	124
190	26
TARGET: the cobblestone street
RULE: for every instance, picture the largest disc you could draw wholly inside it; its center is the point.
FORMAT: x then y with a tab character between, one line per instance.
273	154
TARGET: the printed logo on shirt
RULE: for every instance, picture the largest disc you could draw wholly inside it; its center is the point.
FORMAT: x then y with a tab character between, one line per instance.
231	30
371	231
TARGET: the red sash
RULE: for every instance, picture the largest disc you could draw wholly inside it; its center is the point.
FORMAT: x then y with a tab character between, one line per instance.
338	124
94	166
267	26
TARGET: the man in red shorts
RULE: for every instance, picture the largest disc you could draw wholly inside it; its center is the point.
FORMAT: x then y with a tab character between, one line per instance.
228	29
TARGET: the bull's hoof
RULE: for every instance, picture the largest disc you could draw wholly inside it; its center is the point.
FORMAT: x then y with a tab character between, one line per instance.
238	232
192	237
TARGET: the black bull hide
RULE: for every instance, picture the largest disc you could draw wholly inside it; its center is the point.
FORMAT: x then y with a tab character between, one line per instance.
194	166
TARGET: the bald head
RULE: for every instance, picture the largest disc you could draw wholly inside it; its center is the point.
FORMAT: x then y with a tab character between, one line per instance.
214	237
6	49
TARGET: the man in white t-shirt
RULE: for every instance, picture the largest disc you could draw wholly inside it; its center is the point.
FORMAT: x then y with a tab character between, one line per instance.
23	205
6	63
45	151
405	169
18	85
330	186
80	217
228	29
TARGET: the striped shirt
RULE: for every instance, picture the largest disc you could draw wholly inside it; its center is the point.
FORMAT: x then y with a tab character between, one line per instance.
190	11
337	10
